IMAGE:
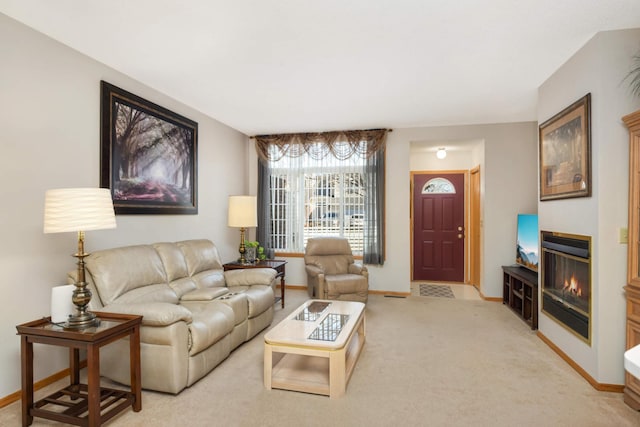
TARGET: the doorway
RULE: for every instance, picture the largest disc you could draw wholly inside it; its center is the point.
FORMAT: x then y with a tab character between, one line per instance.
438	226
475	227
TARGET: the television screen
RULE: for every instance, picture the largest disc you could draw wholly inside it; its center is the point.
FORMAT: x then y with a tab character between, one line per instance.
527	241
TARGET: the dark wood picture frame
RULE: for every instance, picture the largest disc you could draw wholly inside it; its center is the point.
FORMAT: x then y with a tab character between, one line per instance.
148	155
565	152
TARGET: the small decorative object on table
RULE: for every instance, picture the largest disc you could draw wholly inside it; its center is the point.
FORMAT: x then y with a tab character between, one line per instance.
251	254
254	252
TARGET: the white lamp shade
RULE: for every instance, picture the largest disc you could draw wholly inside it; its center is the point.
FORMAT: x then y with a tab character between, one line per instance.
78	209
441	153
243	211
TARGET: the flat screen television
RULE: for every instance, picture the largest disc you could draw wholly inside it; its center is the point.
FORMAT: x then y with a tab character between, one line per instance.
527	236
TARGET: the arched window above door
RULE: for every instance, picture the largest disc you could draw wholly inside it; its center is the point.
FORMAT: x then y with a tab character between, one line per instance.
438	186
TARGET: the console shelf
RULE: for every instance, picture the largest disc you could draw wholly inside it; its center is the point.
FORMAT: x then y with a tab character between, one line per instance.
520	293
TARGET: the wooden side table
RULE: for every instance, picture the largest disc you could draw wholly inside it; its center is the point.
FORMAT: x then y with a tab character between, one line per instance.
82	404
277	264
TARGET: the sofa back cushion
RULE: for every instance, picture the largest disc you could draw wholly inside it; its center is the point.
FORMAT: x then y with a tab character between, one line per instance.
175	266
129	274
203	262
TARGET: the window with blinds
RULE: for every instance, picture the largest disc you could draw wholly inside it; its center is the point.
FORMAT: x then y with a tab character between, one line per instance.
311	197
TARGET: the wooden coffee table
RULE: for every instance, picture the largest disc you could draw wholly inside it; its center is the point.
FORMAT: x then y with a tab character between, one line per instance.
315	349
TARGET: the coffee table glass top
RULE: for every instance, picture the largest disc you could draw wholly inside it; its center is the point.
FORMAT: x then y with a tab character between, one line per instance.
317	324
330	327
311	312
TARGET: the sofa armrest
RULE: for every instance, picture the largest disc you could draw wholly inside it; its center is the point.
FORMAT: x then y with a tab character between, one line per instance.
358	269
205	294
315	281
313	270
250	276
154	313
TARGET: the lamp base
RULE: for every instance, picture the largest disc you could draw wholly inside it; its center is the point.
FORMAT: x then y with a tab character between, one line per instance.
82	321
81	296
242	249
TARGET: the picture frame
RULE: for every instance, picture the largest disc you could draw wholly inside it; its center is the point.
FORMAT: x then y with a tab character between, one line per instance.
565	152
148	155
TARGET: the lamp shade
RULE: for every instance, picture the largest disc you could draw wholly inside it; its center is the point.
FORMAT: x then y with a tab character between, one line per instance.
78	209
243	211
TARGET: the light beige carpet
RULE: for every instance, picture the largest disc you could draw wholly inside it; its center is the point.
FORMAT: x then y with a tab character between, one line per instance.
426	362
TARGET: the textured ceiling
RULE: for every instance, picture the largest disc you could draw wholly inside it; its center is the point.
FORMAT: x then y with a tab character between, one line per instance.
264	66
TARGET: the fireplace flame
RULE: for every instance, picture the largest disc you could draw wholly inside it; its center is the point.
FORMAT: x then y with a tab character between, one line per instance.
572	286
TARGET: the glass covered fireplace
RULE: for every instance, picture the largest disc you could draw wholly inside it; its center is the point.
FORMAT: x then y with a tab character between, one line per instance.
566	281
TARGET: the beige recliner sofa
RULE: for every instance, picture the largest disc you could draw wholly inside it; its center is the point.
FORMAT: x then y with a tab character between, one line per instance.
194	313
332	272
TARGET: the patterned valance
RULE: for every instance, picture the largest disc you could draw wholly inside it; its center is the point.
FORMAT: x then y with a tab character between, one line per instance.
342	144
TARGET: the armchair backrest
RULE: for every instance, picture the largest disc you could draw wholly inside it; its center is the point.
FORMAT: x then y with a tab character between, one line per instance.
332	254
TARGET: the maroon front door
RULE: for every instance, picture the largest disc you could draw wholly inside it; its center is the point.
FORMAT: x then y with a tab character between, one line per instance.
438	227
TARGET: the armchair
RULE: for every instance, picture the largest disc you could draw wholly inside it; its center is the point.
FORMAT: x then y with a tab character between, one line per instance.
331	271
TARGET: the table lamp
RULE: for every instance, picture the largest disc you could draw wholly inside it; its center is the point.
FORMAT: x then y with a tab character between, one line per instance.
243	213
79	210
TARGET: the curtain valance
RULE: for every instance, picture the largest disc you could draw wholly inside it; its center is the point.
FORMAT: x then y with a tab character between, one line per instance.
342	144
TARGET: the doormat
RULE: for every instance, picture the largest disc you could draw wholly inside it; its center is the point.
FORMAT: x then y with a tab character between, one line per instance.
439	291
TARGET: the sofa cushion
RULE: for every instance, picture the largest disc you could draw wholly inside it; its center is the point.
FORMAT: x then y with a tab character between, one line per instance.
175	265
259	297
211	322
200	255
346	284
183	286
250	276
209	279
206	294
118	271
148	294
239	305
153	314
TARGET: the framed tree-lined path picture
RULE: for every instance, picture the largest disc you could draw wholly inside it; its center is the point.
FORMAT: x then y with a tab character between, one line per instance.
148	155
565	152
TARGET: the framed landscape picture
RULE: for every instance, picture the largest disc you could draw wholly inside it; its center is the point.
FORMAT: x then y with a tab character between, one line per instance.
565	152
148	155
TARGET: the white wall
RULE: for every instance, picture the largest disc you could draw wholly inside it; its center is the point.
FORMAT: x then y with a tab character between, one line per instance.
599	68
425	160
509	186
49	133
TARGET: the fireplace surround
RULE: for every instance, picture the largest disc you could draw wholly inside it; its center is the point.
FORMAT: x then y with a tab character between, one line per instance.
566	281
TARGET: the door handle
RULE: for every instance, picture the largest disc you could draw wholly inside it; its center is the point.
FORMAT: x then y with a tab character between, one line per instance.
460	236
